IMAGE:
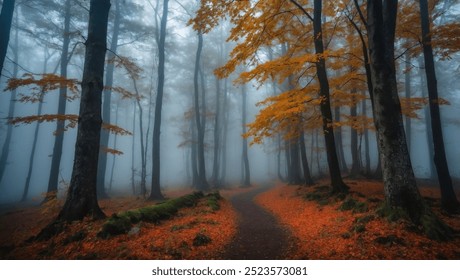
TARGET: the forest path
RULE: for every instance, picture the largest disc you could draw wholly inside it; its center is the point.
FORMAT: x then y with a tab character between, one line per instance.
259	235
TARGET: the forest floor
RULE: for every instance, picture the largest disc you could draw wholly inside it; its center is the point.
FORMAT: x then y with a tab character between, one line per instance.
261	222
349	228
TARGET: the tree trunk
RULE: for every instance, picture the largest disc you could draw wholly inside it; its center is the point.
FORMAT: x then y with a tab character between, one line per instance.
53	181
294	164
82	195
133	153
115	146
334	169
398	177
106	110
156	191
12	106
306	169
193	157
407	89
34	143
143	187
217	132
6	17
355	166
448	198
225	116
427	119
202	183
246	182
366	141
339	142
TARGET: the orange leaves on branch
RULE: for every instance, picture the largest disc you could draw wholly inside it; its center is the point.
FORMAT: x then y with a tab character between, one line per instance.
410	106
72	120
115	129
125	94
111	151
39	84
128	64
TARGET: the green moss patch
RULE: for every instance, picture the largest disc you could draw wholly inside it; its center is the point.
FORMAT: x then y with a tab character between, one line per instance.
213	200
122	222
354	205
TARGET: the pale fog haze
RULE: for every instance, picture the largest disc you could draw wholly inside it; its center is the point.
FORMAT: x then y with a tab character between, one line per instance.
36	46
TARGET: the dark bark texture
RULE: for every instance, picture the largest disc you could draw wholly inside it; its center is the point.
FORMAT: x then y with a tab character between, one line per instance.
246	180
102	165
399	181
202	183
12	106
448	198
156	191
81	198
334	168
53	180
6	17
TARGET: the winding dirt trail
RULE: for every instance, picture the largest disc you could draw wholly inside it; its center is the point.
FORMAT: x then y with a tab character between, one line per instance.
259	235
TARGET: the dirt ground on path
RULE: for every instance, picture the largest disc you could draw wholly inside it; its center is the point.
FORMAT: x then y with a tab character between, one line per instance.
259	234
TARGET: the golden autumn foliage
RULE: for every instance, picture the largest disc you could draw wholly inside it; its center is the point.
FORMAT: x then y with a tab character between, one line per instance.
278	24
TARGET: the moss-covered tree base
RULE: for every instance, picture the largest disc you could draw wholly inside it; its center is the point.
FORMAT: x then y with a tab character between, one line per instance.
428	223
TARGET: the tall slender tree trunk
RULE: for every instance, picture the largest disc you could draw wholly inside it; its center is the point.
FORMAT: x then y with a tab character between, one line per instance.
12	106
107	102
427	120
306	169
53	181
143	187
225	119
193	154
156	190
202	183
334	169
448	197
133	153
407	89
115	146
6	17
355	166
246	182
366	141
217	132
36	130
81	198
339	141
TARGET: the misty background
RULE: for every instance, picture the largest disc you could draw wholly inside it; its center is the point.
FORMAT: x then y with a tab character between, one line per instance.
36	45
